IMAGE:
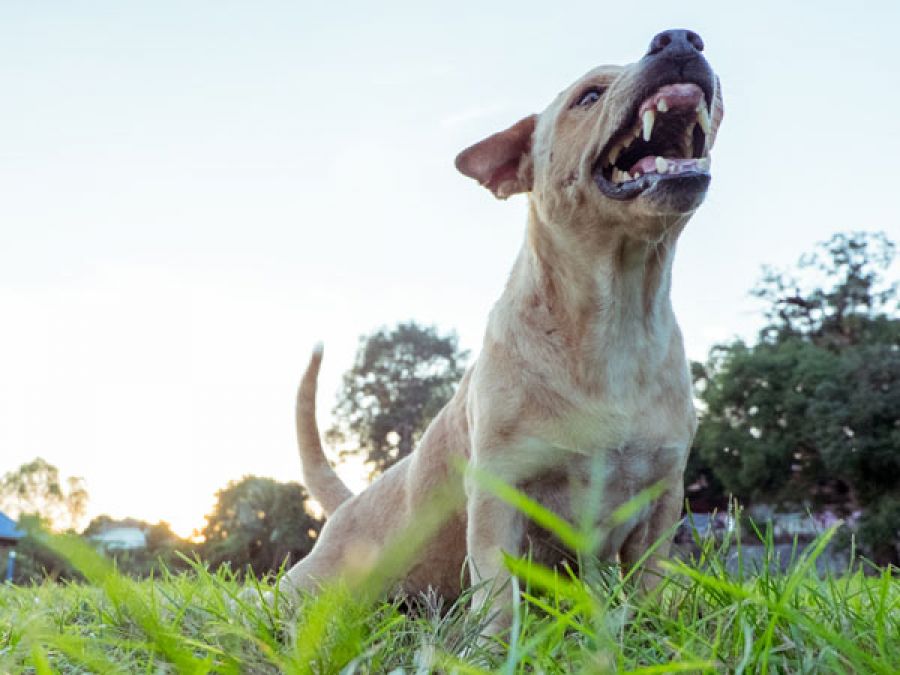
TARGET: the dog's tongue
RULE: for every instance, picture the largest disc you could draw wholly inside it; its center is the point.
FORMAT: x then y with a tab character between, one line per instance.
651	164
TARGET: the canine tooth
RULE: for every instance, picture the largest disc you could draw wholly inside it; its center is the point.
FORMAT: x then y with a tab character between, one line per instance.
703	164
662	105
703	118
648	119
614	154
661	165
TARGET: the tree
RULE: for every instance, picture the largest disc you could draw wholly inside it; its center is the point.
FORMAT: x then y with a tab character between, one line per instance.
400	380
811	412
35	562
755	432
857	307
161	550
702	488
259	523
36	488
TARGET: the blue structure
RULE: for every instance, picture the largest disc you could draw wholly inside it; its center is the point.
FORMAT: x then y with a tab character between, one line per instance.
9	536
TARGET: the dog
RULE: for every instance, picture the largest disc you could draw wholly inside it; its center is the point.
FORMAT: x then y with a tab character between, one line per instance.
582	356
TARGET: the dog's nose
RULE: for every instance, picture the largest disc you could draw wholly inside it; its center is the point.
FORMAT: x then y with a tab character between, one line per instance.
676	44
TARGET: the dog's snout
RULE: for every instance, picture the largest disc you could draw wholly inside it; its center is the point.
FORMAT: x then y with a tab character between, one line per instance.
676	44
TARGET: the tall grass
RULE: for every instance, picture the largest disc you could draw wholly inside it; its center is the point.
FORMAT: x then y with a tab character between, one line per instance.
700	618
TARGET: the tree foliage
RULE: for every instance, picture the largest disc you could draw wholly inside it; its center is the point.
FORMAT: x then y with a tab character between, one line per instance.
837	296
400	380
164	548
36	488
259	523
34	561
811	412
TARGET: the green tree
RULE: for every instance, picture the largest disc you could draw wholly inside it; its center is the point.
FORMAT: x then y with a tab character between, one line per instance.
837	296
400	380
811	412
34	561
36	488
259	523
162	549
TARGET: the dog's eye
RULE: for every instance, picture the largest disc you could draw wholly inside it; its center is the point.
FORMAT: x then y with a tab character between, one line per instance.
589	97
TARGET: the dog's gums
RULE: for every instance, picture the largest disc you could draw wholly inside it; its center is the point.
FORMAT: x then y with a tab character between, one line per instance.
667	137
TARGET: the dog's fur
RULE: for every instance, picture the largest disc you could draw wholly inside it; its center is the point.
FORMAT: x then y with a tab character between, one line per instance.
582	358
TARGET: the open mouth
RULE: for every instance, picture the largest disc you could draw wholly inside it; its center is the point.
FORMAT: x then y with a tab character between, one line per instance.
667	138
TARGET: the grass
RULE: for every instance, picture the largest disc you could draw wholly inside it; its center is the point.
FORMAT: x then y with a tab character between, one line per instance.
700	618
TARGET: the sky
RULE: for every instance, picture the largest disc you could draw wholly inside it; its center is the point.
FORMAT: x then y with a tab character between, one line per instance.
193	194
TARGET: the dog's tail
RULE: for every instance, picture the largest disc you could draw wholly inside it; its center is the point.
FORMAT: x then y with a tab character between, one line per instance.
320	479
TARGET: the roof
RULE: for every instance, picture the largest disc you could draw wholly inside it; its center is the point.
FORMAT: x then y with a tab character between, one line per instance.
121	538
8	529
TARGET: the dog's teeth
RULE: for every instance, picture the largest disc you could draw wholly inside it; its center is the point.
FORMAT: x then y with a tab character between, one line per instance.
689	141
662	105
703	118
703	164
661	165
614	154
648	118
620	176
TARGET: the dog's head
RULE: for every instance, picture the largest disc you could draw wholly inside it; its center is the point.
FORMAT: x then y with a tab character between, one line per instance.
626	145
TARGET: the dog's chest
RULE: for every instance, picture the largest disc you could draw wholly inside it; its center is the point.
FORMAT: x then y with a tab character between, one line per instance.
594	487
616	474
626	425
601	454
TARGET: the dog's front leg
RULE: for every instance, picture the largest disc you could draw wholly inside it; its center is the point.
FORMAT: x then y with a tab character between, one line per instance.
493	528
649	533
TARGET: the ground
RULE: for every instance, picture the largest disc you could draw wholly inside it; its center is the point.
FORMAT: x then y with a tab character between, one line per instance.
701	618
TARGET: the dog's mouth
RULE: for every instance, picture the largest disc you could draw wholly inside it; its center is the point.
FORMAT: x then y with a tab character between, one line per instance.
666	139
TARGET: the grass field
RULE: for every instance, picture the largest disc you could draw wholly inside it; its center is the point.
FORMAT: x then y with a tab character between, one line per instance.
701	618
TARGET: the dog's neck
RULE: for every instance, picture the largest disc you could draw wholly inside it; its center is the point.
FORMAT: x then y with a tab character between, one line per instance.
595	290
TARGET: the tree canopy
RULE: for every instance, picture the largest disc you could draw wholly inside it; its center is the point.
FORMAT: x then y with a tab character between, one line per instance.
259	523
400	380
36	488
810	414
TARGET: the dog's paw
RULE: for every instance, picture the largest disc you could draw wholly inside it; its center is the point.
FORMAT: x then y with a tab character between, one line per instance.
256	597
250	602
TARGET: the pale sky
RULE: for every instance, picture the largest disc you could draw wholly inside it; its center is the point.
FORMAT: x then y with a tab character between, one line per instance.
192	194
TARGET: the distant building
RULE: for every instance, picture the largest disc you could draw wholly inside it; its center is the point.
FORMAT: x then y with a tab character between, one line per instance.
9	537
9	533
121	538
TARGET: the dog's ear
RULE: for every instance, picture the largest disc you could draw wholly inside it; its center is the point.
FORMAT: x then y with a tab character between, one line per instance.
502	162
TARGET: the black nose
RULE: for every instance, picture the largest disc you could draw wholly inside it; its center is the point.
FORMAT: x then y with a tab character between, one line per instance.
676	44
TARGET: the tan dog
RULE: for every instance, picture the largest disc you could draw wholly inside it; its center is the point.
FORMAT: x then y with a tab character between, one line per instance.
582	356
